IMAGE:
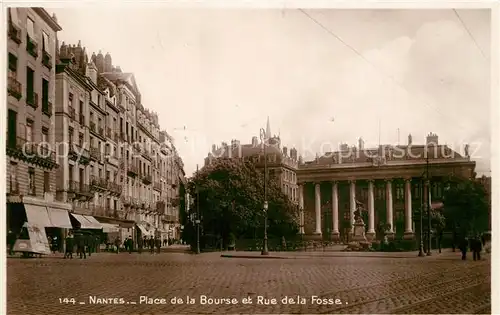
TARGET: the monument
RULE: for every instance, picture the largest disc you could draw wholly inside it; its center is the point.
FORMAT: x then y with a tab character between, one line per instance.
358	234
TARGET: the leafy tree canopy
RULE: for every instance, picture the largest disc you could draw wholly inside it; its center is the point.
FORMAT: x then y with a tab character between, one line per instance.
466	205
231	198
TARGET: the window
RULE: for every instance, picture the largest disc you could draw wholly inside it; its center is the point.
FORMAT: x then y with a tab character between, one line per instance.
13	177
12	128
14	17
31	181
70	172
80	139
70	135
46	182
30	27
45	42
70	99
45	141
108	175
45	95
30	85
12	65
29	131
81	108
81	176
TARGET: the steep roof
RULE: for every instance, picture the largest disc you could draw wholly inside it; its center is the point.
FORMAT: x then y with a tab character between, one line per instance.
128	78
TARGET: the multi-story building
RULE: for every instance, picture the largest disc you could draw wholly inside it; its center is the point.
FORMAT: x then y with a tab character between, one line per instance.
31	145
387	183
281	163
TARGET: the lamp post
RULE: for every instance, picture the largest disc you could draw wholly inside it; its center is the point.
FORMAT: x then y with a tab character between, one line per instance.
428	206
421	232
197	217
263	138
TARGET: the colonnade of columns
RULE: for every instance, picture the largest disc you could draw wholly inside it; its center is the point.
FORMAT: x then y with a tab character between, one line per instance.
352	207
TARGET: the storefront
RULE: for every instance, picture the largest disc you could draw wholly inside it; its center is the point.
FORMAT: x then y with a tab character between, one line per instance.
53	216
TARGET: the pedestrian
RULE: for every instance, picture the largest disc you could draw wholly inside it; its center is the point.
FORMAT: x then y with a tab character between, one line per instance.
89	244
165	242
139	245
463	247
118	242
476	247
158	244
69	246
130	244
11	240
152	245
82	245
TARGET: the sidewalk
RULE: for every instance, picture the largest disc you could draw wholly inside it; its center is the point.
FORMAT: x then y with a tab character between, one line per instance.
446	253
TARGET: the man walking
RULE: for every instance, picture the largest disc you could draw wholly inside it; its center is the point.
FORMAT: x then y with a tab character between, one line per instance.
140	244
152	245
463	247
476	248
130	244
117	244
69	246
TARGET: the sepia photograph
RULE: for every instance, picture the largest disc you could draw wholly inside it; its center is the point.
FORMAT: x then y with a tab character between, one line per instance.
195	158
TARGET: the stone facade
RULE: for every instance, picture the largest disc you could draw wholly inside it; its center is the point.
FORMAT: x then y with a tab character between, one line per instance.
31	157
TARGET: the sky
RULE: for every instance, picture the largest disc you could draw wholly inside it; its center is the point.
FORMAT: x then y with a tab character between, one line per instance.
323	77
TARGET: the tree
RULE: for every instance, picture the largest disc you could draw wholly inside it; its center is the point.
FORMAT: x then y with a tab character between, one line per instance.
231	198
466	206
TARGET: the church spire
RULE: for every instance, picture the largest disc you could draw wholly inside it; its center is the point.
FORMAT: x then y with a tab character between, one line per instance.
268	129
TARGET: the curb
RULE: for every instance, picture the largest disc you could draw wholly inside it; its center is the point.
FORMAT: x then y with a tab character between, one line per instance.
256	257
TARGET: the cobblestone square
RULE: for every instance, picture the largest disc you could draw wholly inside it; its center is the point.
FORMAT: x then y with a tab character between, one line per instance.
437	284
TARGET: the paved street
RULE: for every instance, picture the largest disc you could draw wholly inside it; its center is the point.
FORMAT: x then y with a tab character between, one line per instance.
438	284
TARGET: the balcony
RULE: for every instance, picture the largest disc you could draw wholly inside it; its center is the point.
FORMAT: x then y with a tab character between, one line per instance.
123	137
47	60
79	190
137	147
132	170
31	46
98	184
160	207
111	159
78	154
157	186
38	154
101	131
92	127
95	154
97	210
147	179
81	120
116	136
114	188
32	99
14	88
47	107
71	113
147	155
109	134
15	33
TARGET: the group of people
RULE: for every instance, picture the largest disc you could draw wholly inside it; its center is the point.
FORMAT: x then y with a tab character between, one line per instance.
152	243
475	244
84	243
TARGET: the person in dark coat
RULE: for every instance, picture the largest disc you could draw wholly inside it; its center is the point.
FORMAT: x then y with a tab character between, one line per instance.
130	244
69	246
118	242
81	242
11	240
476	247
463	244
140	244
152	245
158	244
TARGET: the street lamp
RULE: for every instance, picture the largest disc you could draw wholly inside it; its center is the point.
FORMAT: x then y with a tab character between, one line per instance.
263	138
421	232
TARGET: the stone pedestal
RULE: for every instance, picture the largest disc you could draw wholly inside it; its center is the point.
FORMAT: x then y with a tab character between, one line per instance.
370	236
358	233
409	236
390	236
313	237
335	236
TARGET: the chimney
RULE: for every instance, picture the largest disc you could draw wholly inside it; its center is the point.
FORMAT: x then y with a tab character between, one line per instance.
214	148
361	144
301	160
344	147
255	142
410	139
432	138
108	64
99	62
285	151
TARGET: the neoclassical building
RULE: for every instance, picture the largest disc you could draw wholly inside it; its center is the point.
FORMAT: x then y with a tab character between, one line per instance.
385	182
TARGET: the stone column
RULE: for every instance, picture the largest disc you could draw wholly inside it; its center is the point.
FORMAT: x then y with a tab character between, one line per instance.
335	212
390	215
371	211
352	201
408	211
301	208
317	205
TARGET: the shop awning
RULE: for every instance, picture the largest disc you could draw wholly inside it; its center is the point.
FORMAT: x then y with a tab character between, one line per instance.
93	221
143	229
59	218
37	215
84	223
110	228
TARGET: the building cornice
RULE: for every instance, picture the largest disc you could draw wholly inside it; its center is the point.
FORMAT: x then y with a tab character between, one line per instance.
48	19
